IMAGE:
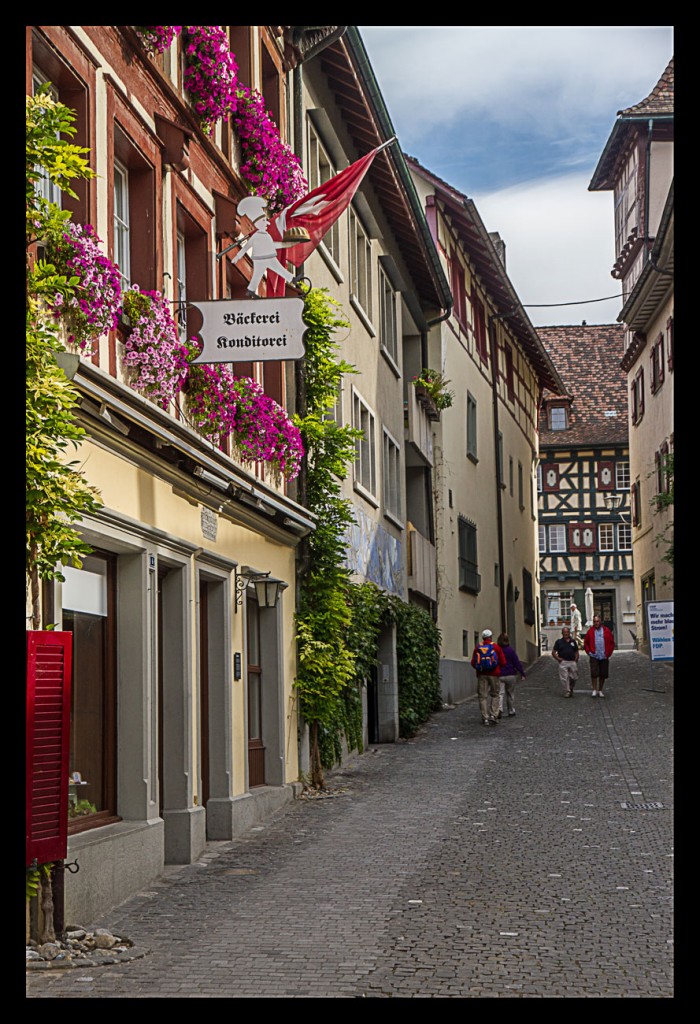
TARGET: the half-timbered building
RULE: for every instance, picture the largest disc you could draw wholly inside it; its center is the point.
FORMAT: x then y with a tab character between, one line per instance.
583	483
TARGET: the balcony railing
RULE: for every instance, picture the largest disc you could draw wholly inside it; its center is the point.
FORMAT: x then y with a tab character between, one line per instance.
418	431
422	564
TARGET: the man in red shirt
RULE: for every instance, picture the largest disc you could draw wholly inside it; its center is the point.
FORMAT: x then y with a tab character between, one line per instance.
598	643
487	660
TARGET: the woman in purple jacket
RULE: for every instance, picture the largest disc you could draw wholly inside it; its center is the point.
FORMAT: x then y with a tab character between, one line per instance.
509	672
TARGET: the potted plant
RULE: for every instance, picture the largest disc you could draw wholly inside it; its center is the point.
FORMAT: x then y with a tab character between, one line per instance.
432	392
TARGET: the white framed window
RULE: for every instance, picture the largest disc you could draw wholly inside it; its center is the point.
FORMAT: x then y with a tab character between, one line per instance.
388	327
181	287
320	170
622	476
44	187
624	537
542	538
606	537
471	426
539	478
365	447
557	538
557	605
391	475
360	265
626	202
122	241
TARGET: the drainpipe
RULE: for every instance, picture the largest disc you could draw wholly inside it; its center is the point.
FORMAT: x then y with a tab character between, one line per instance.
499	468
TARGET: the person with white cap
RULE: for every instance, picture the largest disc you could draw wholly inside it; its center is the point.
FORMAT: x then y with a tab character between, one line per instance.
576	622
487	661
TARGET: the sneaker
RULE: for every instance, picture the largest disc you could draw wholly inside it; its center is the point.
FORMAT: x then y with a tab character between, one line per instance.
511	714
594	693
486	721
600	693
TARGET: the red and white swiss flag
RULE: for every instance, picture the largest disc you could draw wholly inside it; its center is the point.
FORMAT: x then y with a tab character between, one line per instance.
317	212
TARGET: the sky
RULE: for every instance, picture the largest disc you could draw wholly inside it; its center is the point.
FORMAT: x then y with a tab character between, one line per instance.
516	118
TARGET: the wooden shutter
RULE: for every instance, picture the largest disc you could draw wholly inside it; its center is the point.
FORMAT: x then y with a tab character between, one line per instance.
48	741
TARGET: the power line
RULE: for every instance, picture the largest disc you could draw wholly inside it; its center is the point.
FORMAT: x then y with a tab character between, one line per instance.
583	302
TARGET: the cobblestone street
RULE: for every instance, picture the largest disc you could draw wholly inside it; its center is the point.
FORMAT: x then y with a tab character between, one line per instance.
534	859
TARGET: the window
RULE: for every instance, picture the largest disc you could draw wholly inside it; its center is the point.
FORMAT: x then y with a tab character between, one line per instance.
606	538
458	289
388	333
469	578
360	265
624	537
636	504
558	606
480	330
622	476
509	372
45	187
539	478
471	427
637	396
669	331
658	368
511	472
557	417
521	497
365	458
321	170
557	538
528	599
89	609
466	651
661	469
626	202
500	468
542	538
122	241
391	471
181	287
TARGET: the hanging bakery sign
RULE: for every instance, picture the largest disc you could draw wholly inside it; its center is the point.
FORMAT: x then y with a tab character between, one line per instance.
242	330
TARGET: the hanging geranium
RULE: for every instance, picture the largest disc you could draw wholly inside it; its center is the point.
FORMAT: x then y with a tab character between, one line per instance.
93	307
157	38
211	73
264	432
269	166
155	358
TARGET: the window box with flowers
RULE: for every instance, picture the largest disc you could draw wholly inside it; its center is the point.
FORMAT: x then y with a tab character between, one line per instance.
93	308
156	39
211	74
155	360
432	392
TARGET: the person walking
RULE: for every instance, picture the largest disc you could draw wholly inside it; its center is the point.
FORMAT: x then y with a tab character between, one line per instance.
598	643
487	660
576	624
509	673
565	651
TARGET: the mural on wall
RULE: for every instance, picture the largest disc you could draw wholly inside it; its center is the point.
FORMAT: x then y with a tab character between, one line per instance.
374	554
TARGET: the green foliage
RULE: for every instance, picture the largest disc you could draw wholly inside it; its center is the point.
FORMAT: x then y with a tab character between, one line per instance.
33	879
418	651
57	494
326	685
663	502
435	384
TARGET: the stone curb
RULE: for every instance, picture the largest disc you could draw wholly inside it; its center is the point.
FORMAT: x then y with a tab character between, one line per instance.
103	960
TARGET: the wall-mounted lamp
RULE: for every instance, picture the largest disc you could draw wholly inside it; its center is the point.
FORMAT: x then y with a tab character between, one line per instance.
266	589
613	502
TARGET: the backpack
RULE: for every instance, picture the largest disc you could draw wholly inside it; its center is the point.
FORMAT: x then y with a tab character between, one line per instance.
486	658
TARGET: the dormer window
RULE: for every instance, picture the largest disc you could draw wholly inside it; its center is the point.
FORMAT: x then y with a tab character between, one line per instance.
558	417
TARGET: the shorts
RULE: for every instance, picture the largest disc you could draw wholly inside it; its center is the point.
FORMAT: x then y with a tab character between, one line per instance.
599	668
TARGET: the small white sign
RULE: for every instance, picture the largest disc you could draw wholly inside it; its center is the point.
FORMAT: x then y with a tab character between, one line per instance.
660	621
251	330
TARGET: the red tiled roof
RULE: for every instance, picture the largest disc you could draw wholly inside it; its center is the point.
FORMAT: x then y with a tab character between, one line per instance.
659	100
588	361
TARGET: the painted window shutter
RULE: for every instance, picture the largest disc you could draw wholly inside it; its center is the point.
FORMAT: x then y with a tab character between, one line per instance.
48	741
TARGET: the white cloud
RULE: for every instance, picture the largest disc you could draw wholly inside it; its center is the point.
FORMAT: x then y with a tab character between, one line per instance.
541	77
559	248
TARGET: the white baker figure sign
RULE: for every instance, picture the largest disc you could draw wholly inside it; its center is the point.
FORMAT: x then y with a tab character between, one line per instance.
261	245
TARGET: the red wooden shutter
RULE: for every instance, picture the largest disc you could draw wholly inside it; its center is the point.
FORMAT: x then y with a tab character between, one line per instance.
48	743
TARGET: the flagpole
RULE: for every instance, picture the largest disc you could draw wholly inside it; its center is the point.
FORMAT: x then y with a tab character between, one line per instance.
388	142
